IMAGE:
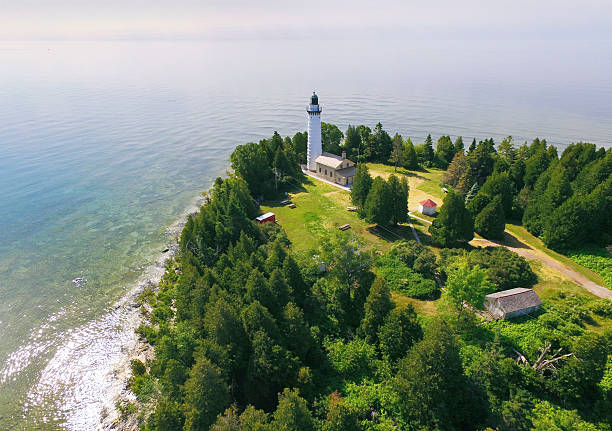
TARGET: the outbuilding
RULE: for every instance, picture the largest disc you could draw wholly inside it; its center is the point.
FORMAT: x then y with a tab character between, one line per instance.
267	217
512	303
427	207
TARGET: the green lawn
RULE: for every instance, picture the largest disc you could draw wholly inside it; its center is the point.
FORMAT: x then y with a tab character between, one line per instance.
321	208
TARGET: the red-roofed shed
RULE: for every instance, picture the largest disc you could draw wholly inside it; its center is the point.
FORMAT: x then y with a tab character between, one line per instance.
427	207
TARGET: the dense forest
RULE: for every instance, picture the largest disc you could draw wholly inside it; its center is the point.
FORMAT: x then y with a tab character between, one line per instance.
250	335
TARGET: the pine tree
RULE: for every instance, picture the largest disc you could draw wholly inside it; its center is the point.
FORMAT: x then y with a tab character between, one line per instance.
378	304
361	185
292	413
410	157
378	205
206	395
445	151
472	146
458	146
397	155
399	199
429	151
399	332
454	225
490	222
499	184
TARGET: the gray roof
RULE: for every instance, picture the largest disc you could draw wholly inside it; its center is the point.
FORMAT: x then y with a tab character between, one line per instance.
346	172
329	159
515	299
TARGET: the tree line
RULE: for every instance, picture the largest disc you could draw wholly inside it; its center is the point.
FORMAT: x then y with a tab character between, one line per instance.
566	200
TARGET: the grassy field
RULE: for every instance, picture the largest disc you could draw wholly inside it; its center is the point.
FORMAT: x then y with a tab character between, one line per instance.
321	208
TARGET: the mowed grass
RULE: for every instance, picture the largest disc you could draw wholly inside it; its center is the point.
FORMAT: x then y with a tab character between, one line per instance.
321	208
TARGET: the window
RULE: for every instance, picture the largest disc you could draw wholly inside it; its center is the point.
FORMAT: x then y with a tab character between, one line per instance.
319	169
325	171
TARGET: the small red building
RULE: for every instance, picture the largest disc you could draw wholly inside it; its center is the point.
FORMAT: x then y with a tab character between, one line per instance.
427	207
267	217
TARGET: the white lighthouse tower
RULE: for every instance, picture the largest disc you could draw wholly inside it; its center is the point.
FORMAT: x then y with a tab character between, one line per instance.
314	132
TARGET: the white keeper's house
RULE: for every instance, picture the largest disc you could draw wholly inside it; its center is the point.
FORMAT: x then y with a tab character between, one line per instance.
331	167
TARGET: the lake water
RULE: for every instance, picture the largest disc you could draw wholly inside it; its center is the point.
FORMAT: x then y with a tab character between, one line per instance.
105	145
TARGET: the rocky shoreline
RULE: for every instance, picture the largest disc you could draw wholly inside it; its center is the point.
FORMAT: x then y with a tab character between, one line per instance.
121	395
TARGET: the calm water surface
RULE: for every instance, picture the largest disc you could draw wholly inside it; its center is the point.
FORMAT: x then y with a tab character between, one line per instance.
103	146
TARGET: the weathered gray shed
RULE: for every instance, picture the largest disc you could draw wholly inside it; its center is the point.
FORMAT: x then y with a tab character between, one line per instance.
511	303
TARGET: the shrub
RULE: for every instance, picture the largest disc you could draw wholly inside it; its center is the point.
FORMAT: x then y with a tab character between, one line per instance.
401	278
596	259
353	360
505	268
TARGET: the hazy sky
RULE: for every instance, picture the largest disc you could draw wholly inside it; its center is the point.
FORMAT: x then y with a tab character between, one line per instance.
443	19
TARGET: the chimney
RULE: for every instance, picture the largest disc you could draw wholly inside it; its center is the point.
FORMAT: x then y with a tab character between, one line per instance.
343	154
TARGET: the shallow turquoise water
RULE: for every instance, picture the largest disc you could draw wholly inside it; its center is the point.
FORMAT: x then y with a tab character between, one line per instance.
104	145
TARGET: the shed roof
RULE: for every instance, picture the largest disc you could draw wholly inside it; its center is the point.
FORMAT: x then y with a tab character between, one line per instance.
516	299
329	159
264	216
428	203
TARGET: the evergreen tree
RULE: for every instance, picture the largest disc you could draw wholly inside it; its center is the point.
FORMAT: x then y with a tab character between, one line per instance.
378	205
410	157
399	199
445	151
428	154
454	225
258	289
281	164
206	395
506	149
352	141
292	413
490	222
440	399
458	146
472	146
397	155
300	145
478	203
361	185
535	166
498	184
378	304
383	146
401	329
291	272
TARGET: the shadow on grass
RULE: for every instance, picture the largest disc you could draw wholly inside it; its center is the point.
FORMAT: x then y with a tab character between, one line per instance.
510	240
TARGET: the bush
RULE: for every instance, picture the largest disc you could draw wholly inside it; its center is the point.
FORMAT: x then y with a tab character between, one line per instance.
402	279
597	259
505	268
353	361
